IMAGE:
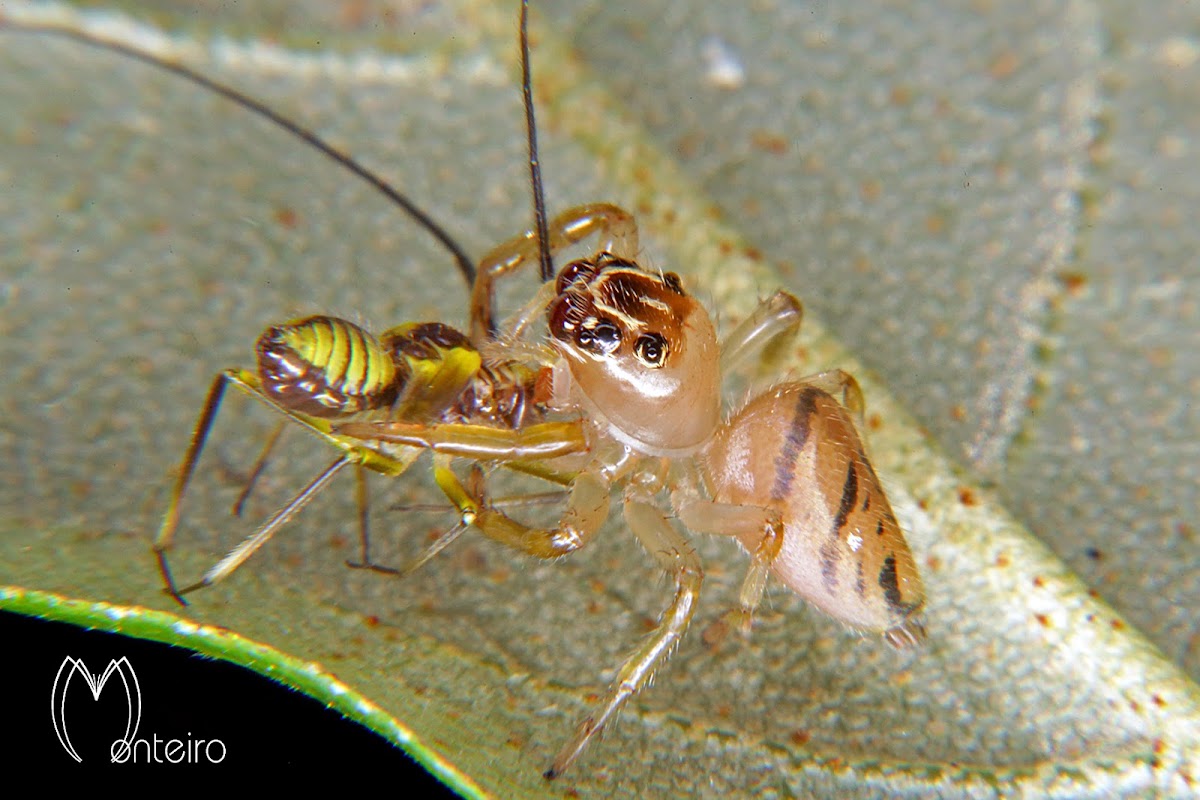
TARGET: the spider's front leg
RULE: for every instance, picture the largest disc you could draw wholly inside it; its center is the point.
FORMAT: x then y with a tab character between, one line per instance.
772	325
615	226
678	559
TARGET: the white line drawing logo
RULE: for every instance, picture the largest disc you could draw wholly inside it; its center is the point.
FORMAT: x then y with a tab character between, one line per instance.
133	695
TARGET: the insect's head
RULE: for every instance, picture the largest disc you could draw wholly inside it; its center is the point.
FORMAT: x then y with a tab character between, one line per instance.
641	351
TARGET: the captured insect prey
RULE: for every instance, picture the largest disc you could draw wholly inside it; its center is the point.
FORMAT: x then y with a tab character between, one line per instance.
607	382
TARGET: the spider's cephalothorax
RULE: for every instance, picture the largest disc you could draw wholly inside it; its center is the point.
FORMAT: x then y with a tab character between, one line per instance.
642	353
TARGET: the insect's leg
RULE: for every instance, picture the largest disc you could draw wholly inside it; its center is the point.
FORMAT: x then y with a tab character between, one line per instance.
250	545
676	556
585	512
619	236
361	494
475	484
248	383
363	499
774	324
166	532
523	446
842	386
480	442
439	544
259	465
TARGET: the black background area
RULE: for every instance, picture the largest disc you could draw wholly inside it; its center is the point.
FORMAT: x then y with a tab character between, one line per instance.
261	723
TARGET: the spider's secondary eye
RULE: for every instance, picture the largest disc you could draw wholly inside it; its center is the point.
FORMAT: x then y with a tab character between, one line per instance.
651	348
673	283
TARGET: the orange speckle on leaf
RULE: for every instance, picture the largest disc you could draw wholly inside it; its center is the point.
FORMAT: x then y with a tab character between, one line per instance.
1159	357
1003	65
714	635
287	217
353	14
769	142
1072	282
687	146
472	559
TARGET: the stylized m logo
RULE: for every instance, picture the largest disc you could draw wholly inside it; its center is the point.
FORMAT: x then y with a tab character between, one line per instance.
133	695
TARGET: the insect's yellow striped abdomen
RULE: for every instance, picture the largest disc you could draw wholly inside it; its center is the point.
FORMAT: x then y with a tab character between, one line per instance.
325	367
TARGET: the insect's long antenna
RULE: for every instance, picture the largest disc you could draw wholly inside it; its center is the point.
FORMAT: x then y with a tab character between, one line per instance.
535	168
466	264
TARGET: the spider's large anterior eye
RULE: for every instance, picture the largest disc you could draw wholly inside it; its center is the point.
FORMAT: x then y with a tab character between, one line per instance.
604	337
651	348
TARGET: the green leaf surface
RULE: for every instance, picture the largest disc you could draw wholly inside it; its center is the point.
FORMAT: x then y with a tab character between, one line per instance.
973	200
